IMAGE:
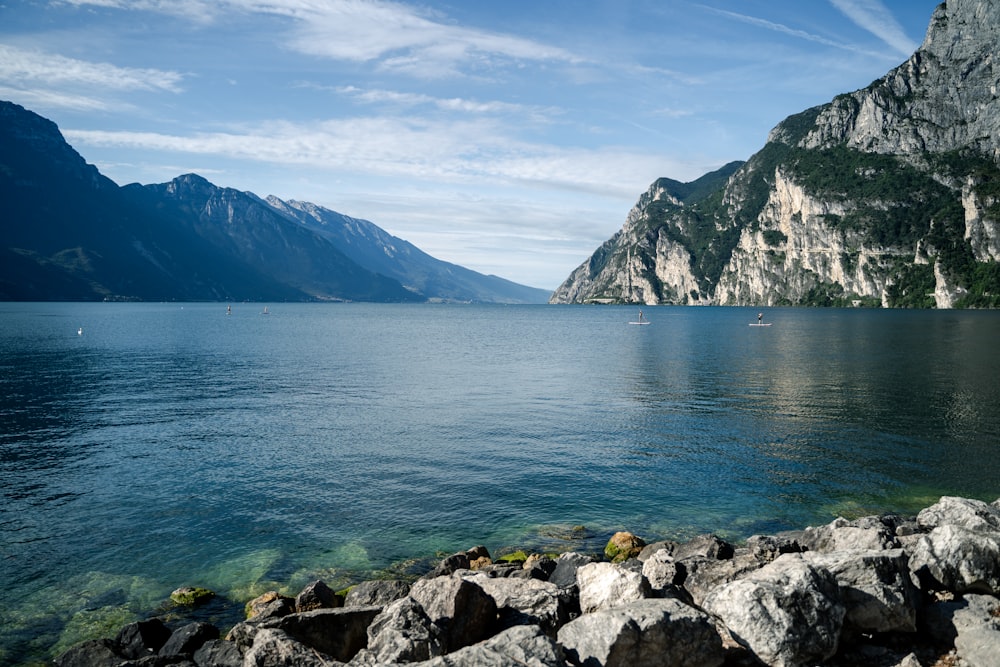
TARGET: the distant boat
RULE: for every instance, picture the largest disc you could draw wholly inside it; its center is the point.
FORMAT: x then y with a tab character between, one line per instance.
229	310
642	319
264	312
79	332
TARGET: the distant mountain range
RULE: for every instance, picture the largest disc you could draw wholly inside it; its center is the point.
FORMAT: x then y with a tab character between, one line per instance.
888	196
70	234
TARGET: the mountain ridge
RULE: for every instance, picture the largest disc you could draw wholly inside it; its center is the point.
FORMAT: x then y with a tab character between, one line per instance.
886	196
70	233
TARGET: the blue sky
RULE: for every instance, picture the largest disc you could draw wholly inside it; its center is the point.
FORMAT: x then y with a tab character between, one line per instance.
509	137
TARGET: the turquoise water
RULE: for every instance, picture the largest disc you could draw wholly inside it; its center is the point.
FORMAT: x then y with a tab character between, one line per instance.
172	444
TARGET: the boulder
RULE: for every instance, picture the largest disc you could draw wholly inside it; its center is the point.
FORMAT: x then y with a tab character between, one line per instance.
317	595
218	653
379	592
875	587
90	653
525	602
463	610
705	546
339	633
450	565
788	613
515	647
662	571
142	638
187	639
970	623
606	585
865	534
622	546
269	605
968	513
958	559
191	596
272	647
564	574
643	633
650	549
402	632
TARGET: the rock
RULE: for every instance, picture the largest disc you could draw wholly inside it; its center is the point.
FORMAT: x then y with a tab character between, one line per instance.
650	549
449	565
339	633
402	632
788	612
706	546
971	624
378	592
479	557
974	515
525	602
875	588
605	585
272	647
865	534
662	571
520	646
463	610
564	574
142	638
643	633
187	639
765	548
958	559
91	653
622	546
218	653
269	605
317	595
189	596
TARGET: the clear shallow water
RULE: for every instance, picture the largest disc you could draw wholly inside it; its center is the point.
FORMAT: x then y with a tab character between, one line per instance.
174	445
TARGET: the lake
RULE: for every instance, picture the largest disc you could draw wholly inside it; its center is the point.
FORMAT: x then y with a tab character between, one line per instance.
144	447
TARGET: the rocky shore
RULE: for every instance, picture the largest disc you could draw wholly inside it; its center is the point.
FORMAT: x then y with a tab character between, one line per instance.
884	591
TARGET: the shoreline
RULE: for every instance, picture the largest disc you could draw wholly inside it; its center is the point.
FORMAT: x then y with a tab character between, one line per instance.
916	569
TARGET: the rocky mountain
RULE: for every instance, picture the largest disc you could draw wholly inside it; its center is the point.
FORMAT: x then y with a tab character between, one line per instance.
379	251
69	233
887	196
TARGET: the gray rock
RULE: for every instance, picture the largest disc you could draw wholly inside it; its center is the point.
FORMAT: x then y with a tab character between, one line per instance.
378	592
661	571
656	547
339	633
273	648
875	588
975	515
525	602
643	633
788	613
317	595
971	624
463	610
865	534
705	546
564	575
218	653
958	559
521	646
402	632
91	653
450	565
187	639
142	638
606	585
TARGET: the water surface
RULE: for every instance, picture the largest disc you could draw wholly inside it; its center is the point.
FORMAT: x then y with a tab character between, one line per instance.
173	444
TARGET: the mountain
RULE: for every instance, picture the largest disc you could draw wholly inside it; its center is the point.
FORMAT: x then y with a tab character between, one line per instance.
379	251
69	233
886	196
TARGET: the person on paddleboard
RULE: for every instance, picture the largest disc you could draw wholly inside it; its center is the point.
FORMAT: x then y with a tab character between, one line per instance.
760	317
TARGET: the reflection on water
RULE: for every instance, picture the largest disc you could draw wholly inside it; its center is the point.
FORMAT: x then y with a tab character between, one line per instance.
171	444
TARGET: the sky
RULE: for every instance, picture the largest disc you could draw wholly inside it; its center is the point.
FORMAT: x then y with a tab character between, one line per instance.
509	137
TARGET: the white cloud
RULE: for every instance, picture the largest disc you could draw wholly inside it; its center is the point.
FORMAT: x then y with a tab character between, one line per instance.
872	15
22	67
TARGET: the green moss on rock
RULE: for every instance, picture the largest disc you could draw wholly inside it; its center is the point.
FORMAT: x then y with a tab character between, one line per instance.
191	596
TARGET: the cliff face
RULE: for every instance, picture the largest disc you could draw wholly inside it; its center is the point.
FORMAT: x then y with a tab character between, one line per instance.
886	196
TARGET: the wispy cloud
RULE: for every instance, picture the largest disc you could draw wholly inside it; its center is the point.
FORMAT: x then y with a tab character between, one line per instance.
395	36
873	16
22	67
792	32
469	151
448	104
